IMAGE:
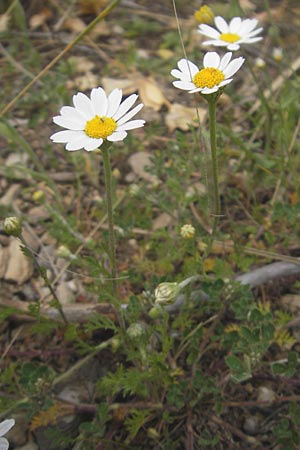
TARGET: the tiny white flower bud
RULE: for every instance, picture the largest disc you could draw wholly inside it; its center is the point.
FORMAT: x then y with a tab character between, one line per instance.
13	226
187	231
166	293
277	54
135	330
260	63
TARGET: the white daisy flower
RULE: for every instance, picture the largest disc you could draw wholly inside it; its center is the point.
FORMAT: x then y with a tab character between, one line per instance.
93	120
217	72
5	426
231	35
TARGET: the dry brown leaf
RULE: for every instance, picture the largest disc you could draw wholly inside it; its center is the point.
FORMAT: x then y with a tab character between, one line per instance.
290	303
101	29
37	20
182	117
83	64
91	6
151	94
74	24
247	5
162	221
165	53
4	19
84	82
127	85
138	161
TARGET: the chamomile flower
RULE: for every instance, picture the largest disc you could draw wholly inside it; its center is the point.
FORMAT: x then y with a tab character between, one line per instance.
231	35
5	426
217	72
96	119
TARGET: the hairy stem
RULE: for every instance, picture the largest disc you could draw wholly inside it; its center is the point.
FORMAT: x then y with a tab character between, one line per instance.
43	272
111	234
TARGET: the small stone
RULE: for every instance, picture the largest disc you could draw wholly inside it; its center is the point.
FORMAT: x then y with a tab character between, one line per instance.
265	394
251	424
19	267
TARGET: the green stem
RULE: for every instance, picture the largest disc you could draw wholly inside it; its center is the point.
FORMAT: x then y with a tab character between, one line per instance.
112	246
43	273
213	146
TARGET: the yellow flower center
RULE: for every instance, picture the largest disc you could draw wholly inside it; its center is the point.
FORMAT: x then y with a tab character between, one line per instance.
208	77
100	127
229	37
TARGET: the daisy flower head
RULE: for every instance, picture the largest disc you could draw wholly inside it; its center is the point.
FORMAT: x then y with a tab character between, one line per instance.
231	35
5	426
96	119
216	73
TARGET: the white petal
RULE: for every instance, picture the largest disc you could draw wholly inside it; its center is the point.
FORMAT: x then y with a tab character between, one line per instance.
117	136
6	425
225	61
131	125
251	40
77	143
130	114
233	67
248	26
224	82
216	43
65	136
92	144
72	113
99	101
235	25
254	33
182	76
114	101
125	106
192	91
221	24
185	85
71	124
211	59
233	47
188	67
83	104
209	90
206	30
4	444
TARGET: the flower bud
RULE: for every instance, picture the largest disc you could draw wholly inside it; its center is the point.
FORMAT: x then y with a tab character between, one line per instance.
204	15
135	330
277	54
260	63
166	293
187	231
155	312
115	344
38	196
152	433
63	252
13	226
